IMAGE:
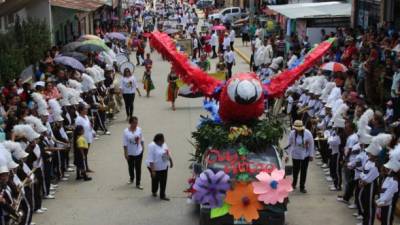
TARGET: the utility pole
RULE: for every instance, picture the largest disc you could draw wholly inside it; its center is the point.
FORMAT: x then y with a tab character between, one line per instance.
251	6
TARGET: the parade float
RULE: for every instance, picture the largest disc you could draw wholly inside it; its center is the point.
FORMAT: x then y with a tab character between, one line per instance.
238	177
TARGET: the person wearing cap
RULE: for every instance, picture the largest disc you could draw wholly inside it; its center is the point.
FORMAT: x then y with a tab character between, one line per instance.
389	190
351	151
226	42
368	183
24	173
336	142
6	199
301	149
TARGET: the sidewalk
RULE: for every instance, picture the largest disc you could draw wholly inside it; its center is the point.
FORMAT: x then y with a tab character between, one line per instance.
243	52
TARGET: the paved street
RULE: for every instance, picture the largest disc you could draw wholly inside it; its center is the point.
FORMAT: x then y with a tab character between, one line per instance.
109	200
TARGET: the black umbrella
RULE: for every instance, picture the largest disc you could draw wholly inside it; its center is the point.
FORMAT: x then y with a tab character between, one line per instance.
76	55
86	48
70	47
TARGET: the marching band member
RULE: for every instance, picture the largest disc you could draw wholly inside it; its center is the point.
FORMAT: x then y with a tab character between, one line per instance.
369	177
390	188
336	141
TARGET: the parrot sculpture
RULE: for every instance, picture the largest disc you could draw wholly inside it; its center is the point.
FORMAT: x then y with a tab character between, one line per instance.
241	98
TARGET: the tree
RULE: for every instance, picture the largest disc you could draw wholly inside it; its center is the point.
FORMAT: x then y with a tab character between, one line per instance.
22	46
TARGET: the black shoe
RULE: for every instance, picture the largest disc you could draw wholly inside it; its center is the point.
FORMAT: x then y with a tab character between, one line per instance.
304	191
87	179
154	194
79	178
165	199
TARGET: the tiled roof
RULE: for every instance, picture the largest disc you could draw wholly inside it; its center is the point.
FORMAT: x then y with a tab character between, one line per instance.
86	5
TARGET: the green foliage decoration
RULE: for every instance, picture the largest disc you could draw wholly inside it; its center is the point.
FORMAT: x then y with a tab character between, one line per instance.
210	134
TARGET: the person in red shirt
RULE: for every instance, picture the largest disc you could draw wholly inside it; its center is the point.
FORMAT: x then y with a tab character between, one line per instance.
10	88
348	53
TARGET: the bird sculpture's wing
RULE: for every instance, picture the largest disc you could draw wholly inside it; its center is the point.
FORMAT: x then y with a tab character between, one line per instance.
278	85
202	82
191	75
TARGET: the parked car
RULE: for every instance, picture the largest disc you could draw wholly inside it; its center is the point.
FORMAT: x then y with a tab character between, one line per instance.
270	214
204	4
227	14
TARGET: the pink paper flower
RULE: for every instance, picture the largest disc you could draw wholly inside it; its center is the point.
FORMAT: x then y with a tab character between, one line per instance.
272	188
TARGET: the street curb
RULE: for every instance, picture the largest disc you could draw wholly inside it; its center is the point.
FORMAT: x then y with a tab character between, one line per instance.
243	56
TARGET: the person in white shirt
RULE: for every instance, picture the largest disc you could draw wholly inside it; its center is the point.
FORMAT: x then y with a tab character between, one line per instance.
229	58
128	86
226	43
196	46
301	149
190	29
335	141
368	183
232	36
214	43
158	161
83	120
390	187
133	150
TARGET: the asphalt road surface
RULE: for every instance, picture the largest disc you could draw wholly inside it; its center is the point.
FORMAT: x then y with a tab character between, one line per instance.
109	200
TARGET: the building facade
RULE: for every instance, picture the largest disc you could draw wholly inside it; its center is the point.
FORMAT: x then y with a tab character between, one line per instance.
67	19
376	13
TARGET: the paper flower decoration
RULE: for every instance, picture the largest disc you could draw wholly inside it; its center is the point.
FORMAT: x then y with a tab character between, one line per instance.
211	187
243	202
236	132
272	188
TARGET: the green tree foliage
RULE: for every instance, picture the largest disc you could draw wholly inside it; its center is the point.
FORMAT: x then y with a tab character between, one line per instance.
22	46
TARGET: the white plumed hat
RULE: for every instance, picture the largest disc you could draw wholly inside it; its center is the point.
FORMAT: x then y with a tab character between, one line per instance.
41	104
363	130
377	143
326	91
36	123
75	85
87	83
394	159
55	110
3	164
16	149
7	154
74	96
64	93
100	73
26	131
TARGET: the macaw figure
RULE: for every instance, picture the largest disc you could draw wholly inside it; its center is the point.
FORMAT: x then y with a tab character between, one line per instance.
241	98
